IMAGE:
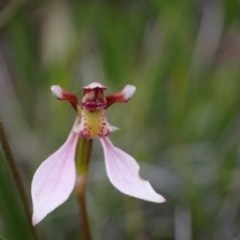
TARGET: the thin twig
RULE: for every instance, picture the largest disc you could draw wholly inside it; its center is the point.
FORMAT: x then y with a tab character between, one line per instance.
83	154
16	177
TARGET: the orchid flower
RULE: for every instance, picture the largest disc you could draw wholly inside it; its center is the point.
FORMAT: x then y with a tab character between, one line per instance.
55	178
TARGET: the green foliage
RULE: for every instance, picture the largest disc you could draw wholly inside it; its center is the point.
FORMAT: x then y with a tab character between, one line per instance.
182	124
15	223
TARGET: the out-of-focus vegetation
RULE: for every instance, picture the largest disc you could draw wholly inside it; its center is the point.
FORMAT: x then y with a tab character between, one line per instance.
183	123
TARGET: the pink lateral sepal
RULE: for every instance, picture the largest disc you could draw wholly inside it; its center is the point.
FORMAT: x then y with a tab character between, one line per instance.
123	173
54	180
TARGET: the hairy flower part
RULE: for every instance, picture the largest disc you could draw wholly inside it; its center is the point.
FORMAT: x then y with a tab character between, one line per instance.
54	180
61	94
57	91
123	96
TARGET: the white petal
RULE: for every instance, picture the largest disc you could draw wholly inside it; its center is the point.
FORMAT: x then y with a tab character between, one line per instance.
54	180
57	91
123	171
128	91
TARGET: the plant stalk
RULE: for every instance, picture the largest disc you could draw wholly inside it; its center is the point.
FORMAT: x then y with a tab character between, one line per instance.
16	177
83	154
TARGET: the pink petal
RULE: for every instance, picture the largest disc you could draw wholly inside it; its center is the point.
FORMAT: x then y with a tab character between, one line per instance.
123	171
54	180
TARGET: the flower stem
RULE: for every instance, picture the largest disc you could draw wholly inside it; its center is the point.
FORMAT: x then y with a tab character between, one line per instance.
83	154
16	177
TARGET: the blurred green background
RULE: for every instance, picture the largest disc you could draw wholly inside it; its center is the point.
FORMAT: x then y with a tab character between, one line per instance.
182	125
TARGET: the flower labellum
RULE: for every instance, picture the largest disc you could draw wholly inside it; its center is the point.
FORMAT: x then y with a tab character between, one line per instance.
55	178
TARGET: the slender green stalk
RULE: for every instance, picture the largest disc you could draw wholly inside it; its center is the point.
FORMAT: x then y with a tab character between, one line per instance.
16	177
83	154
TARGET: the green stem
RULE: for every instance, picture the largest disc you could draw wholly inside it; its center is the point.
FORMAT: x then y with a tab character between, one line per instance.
16	177
83	154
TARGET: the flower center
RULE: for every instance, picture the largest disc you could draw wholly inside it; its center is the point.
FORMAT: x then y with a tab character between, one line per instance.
94	124
94	99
